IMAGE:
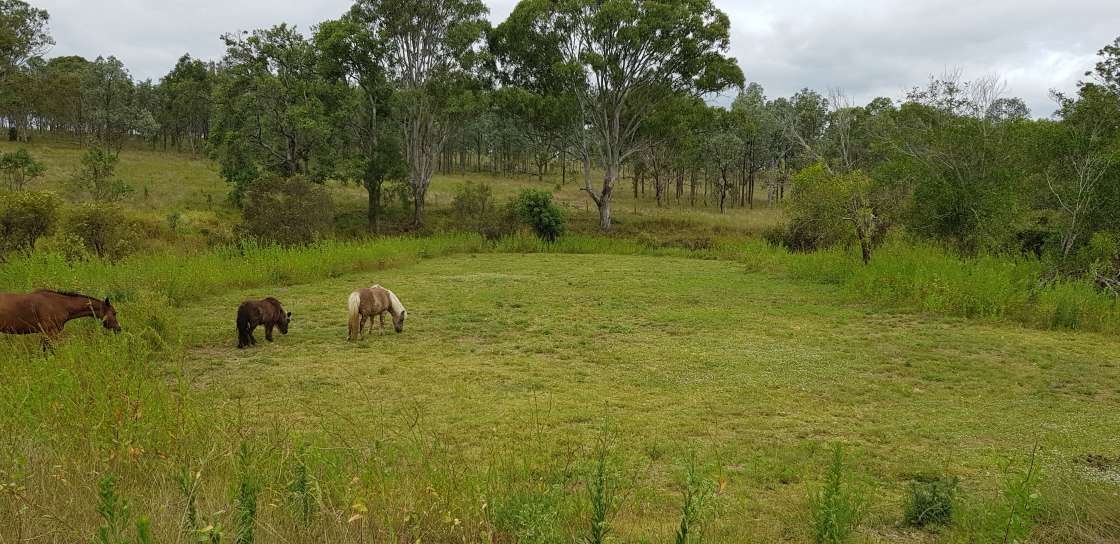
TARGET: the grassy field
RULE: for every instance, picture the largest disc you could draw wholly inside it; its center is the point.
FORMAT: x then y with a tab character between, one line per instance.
483	420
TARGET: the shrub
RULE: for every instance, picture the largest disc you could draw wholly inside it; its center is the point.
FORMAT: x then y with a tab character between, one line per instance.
536	209
25	217
287	211
96	179
473	209
20	169
930	502
835	509
103	229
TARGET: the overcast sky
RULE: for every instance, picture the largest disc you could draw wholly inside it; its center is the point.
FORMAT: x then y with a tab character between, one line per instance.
867	48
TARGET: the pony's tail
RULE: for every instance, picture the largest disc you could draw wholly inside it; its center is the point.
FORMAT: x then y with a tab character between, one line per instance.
354	329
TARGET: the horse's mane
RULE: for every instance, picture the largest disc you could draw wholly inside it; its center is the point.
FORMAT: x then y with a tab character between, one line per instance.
68	294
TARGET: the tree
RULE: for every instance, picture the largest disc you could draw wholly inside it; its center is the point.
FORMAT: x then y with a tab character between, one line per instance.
432	56
1107	69
759	131
354	52
827	208
96	176
185	98
273	112
107	97
621	59
20	169
23	34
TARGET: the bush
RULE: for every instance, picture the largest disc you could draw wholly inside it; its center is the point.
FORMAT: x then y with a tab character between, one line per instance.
96	176
25	217
930	502
104	229
287	211
20	169
473	209
536	209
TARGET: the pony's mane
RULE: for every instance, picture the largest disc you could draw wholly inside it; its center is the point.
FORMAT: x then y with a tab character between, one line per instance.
396	302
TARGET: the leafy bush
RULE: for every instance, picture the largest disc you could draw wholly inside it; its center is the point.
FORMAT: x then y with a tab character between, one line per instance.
20	169
104	229
96	179
25	217
837	507
287	211
473	209
536	209
930	502
827	209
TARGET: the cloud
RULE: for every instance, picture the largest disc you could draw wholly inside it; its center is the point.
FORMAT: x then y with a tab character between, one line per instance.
867	48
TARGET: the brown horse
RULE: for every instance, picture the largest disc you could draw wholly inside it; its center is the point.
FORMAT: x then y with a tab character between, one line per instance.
47	312
376	300
253	313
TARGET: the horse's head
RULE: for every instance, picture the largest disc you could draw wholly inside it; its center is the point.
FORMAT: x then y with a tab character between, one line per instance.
398	321
283	324
109	316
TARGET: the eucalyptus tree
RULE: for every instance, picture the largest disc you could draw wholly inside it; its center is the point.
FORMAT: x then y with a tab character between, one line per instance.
760	132
433	52
185	102
109	103
273	112
354	52
23	34
622	59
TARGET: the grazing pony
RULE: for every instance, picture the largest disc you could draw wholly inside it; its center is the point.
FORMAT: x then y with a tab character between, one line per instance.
376	300
46	312
253	313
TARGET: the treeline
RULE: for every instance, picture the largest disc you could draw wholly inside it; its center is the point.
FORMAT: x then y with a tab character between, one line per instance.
603	93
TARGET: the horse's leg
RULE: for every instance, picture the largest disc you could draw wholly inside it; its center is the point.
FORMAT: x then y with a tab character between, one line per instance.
381	316
268	332
252	339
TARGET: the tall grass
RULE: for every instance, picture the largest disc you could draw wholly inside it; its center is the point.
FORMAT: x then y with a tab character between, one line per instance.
927	278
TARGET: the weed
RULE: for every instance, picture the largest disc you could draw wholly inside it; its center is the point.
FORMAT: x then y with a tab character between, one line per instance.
838	506
930	502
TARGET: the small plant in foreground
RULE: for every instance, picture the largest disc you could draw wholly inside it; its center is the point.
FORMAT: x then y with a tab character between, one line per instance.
245	505
698	493
302	490
1020	493
116	516
930	502
601	491
836	509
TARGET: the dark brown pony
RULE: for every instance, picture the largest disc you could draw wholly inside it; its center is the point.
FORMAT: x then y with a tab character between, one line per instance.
47	312
253	313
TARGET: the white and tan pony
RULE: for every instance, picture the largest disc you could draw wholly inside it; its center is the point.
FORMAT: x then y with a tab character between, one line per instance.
374	301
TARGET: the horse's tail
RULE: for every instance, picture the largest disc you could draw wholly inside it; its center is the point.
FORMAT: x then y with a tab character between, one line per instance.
355	323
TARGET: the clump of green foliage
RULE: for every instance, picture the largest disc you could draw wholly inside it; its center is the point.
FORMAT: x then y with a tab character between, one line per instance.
104	230
20	168
838	506
116	516
930	502
1021	500
474	209
25	217
287	211
536	209
828	208
696	500
96	177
